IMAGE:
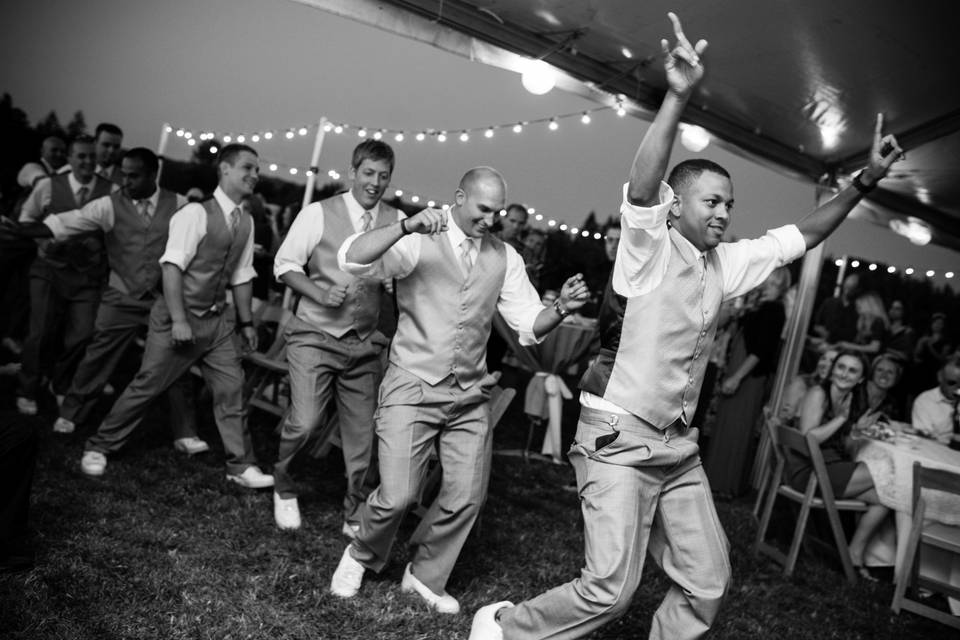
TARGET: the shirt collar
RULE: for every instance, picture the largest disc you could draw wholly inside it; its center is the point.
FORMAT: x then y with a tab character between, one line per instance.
687	249
456	235
225	202
153	200
76	184
355	210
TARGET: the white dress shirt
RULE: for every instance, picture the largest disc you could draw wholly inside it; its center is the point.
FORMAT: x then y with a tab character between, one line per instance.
96	214
519	303
188	226
307	230
932	415
33	171
39	199
643	257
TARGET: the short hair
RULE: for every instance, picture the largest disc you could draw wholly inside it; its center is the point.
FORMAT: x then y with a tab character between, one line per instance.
108	127
892	358
611	224
373	150
475	175
516	206
230	152
689	170
146	157
79	139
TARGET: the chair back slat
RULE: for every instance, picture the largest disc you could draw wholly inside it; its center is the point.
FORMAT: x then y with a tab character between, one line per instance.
933	480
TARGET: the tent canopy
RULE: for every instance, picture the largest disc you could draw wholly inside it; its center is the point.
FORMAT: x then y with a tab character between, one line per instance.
793	85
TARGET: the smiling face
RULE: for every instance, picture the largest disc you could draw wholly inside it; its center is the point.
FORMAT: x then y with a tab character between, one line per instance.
82	159
847	372
701	209
238	179
370	181
886	373
479	198
825	362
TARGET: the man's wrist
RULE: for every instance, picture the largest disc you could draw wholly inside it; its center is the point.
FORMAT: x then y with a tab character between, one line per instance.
863	184
243	324
560	309
403	227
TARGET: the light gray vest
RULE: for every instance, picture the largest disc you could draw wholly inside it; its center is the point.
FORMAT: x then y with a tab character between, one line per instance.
445	318
135	244
206	278
654	368
360	310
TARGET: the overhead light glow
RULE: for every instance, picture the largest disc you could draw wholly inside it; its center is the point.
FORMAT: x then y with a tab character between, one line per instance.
538	77
913	229
694	138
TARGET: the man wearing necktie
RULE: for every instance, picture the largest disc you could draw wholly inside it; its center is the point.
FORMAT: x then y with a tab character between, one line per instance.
109	140
135	222
192	324
66	278
452	276
334	348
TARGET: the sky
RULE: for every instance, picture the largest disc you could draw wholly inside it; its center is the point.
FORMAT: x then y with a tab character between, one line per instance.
247	66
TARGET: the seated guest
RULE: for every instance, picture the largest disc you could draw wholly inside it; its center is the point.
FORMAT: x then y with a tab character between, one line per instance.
885	372
871	326
830	412
792	402
933	410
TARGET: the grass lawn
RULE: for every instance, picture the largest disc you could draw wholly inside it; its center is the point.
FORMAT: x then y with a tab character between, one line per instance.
162	547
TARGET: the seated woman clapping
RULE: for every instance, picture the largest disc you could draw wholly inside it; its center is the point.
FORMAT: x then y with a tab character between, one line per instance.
831	412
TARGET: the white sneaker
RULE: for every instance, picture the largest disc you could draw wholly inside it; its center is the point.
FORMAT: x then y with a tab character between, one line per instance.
346	580
485	625
350	530
93	463
62	425
286	512
26	406
444	603
190	446
251	478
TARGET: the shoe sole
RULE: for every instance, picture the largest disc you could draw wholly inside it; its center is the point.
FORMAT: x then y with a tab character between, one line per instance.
247	485
190	452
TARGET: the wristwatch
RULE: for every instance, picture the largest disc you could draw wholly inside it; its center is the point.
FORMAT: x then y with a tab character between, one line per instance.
559	308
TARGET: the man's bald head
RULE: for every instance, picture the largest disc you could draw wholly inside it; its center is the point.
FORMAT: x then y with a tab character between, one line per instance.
480	196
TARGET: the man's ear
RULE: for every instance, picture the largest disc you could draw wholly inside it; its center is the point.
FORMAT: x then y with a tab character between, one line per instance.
675	206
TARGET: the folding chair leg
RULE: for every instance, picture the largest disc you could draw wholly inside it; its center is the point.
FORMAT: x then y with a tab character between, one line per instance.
767	512
797	540
841	541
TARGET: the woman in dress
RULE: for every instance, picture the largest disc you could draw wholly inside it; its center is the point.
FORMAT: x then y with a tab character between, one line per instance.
796	391
872	326
830	412
753	359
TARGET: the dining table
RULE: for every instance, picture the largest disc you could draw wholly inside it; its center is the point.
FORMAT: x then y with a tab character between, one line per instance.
890	461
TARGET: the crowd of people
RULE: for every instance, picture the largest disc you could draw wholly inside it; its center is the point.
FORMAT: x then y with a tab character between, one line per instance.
103	255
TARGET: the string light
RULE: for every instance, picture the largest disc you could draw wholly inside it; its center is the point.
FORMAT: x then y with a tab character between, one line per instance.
553	126
442	136
338	129
585	118
421	136
464	136
303	131
517	128
488	133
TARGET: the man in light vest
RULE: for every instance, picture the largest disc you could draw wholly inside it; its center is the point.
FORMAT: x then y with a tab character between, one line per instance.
109	140
452	276
209	247
642	486
334	349
135	222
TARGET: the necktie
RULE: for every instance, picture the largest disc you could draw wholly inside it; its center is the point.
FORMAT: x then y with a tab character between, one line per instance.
466	256
234	220
144	208
367	220
82	193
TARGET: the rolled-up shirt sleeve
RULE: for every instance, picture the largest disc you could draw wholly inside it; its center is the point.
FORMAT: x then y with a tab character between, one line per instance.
304	234
396	262
747	263
96	214
644	251
519	303
244	271
187	228
38	200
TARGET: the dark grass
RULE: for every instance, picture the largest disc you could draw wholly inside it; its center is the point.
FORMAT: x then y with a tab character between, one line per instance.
163	547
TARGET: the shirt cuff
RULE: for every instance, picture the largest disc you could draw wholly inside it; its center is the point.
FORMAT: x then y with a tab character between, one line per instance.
286	267
639	217
352	268
243	275
176	258
791	242
56	226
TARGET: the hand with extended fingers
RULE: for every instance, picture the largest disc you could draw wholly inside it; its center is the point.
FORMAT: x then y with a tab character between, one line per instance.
427	222
884	151
682	63
574	293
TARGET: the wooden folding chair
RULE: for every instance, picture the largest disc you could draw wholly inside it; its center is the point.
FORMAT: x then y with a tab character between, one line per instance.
500	399
787	440
266	371
934	535
765	459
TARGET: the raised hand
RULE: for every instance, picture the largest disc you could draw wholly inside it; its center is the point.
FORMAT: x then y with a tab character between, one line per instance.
574	293
682	62
884	151
428	221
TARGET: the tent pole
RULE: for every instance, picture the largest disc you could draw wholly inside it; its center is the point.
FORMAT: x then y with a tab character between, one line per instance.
314	161
162	146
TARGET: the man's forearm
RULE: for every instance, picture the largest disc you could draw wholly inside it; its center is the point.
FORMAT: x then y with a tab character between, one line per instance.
243	299
173	291
300	284
369	246
653	154
828	216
